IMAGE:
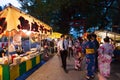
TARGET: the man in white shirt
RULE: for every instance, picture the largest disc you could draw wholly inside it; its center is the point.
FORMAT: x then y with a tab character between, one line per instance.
62	47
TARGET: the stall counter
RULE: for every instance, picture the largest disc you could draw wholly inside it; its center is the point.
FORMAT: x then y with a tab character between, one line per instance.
11	72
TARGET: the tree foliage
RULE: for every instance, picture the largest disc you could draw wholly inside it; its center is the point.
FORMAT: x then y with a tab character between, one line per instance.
59	13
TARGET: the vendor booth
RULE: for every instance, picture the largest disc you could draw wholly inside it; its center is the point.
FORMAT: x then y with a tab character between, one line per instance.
55	35
20	33
114	36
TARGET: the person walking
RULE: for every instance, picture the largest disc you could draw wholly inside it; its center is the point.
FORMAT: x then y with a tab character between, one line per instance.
77	55
62	46
105	53
70	47
96	43
89	50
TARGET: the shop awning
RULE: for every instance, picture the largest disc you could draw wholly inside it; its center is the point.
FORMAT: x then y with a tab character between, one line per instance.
113	35
55	35
11	18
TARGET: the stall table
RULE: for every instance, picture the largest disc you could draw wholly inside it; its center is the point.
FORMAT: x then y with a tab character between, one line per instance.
11	72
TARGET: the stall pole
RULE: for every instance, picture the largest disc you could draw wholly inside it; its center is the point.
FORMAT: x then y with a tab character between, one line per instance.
8	47
29	42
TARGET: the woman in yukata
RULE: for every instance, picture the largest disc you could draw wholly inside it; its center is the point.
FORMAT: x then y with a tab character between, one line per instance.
105	53
89	50
77	55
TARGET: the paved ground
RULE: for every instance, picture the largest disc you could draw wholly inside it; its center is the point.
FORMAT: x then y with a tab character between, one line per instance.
52	71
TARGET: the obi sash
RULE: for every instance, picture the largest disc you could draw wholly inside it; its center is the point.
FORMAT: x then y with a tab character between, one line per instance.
90	51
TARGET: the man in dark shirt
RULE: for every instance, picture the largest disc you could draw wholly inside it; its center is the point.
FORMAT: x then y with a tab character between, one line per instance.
3	52
62	46
96	43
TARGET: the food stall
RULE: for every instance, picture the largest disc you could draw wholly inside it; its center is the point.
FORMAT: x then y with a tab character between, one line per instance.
16	25
114	36
55	35
17	68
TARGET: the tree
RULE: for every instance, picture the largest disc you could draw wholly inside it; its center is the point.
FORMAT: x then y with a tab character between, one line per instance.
60	13
0	8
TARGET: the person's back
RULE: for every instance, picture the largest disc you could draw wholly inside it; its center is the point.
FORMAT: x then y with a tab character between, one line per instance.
2	53
108	48
96	43
89	50
105	53
51	44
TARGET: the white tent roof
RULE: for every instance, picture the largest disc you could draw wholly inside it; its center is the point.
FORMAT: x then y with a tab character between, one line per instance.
103	34
12	14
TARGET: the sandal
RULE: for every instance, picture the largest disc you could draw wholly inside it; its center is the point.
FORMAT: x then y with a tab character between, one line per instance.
87	78
76	69
92	76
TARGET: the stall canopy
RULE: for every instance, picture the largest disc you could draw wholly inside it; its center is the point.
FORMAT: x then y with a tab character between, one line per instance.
103	34
55	35
12	19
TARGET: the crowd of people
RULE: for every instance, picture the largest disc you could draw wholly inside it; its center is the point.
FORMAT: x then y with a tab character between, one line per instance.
98	56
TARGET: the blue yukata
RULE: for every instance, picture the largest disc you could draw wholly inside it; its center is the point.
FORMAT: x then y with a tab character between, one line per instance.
89	50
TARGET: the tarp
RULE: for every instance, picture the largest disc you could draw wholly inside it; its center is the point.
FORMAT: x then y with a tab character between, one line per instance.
103	34
55	35
11	18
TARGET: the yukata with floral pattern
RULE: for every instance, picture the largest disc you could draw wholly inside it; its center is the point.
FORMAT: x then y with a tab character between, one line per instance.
90	59
89	50
77	55
105	53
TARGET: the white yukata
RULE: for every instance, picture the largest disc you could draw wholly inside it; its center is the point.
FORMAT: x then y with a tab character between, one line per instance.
105	53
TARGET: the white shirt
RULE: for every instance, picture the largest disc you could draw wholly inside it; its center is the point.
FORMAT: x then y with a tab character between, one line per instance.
70	43
60	45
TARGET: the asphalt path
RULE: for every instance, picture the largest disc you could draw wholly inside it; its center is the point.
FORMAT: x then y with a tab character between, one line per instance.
52	70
